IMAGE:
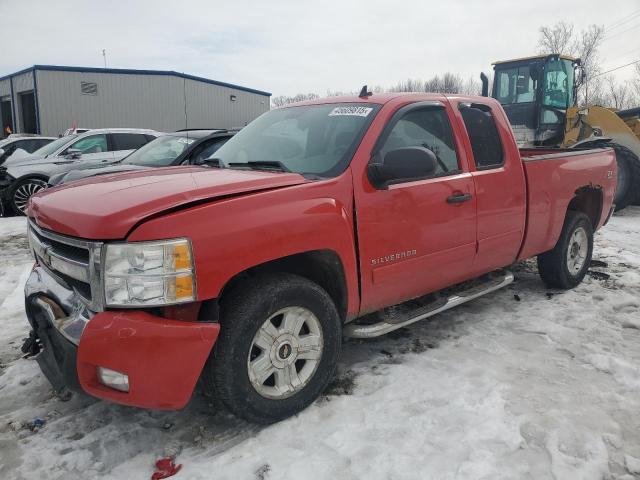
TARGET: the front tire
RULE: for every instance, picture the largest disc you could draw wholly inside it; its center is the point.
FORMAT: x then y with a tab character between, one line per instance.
566	265
23	191
279	343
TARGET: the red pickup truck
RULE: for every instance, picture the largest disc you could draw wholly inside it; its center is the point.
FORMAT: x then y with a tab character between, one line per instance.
315	222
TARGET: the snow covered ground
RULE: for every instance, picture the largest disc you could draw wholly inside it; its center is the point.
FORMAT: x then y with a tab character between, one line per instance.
525	383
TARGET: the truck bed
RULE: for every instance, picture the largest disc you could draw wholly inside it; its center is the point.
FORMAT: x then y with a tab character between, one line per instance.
549	191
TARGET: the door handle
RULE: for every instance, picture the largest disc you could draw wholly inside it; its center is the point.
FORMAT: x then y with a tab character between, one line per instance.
459	198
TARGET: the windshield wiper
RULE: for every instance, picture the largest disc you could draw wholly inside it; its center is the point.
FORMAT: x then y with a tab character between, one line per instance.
262	165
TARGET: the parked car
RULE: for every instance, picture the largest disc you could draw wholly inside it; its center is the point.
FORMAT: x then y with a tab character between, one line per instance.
76	131
334	217
179	148
28	143
22	177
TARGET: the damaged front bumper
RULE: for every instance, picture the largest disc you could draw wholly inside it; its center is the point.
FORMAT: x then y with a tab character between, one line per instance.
161	358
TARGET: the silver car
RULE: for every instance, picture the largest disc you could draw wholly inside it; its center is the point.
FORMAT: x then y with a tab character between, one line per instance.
23	176
27	143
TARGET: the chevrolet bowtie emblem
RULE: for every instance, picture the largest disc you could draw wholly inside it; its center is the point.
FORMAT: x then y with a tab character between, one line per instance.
46	255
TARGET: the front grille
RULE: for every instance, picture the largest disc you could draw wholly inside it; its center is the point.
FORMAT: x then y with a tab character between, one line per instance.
73	262
72	252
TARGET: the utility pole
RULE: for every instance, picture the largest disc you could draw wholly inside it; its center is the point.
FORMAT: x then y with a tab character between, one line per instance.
104	56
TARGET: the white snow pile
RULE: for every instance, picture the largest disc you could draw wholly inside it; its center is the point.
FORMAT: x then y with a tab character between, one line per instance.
526	383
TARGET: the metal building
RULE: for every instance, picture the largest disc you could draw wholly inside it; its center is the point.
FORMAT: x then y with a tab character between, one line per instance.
49	99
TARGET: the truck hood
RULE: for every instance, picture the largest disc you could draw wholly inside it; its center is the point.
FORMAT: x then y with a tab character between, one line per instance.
109	206
93	171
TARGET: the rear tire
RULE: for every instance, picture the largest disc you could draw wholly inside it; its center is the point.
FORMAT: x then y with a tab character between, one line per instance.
279	342
566	265
628	186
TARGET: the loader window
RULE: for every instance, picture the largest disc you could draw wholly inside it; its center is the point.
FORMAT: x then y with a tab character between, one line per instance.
516	85
558	83
483	133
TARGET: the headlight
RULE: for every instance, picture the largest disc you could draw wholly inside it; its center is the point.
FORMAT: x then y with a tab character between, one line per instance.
148	273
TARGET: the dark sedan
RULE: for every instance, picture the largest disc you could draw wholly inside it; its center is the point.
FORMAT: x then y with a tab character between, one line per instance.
185	147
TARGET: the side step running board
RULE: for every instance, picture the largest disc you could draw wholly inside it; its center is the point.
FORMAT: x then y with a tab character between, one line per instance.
488	284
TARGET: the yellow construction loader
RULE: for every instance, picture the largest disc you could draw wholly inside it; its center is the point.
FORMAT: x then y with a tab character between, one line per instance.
539	96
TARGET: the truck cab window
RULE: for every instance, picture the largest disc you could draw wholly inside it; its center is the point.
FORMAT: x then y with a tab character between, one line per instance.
483	134
429	128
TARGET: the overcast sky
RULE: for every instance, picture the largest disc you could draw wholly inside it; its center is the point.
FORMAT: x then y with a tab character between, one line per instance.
296	46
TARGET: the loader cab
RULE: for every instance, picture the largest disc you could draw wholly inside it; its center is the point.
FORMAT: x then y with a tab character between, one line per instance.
535	93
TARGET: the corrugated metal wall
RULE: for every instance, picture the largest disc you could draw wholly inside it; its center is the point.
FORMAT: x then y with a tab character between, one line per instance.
5	88
5	94
143	101
21	84
210	106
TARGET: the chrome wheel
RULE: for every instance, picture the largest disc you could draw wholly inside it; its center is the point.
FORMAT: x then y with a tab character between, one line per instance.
285	353
577	251
24	191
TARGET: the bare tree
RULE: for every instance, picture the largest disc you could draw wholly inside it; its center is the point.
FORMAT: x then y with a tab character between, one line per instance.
471	86
620	95
587	49
408	85
635	84
598	94
451	83
561	39
447	83
557	39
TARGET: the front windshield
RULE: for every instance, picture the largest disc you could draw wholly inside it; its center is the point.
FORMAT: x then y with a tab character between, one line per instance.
49	148
160	152
558	83
316	140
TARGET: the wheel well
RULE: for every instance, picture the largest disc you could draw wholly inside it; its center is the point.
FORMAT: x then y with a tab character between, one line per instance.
323	267
29	176
32	176
588	200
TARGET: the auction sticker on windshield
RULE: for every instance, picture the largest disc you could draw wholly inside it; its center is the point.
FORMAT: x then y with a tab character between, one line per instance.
188	141
353	111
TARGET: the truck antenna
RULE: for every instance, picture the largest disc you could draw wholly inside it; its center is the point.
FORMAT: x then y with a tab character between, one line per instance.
364	92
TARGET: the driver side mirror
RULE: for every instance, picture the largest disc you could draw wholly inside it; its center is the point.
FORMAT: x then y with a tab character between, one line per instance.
73	153
402	165
2	152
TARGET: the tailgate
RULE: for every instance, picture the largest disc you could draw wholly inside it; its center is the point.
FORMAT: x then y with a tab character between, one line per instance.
553	180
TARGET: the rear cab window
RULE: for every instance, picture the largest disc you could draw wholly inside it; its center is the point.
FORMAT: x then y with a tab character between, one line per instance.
486	144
